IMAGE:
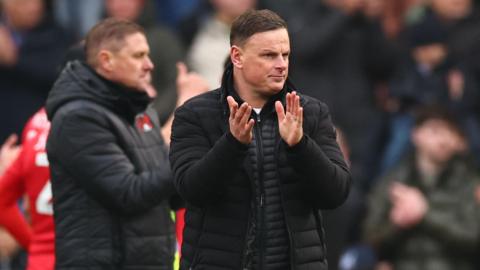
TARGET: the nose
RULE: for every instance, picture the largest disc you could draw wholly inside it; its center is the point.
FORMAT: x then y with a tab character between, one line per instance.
148	64
282	62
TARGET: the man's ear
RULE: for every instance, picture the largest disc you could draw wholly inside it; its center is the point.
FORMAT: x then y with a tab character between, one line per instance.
105	60
236	56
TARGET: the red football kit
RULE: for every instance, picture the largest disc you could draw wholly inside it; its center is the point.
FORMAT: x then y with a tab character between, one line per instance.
29	175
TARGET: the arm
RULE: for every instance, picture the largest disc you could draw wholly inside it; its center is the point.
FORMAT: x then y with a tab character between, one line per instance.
83	139
378	230
319	159
11	190
201	170
458	228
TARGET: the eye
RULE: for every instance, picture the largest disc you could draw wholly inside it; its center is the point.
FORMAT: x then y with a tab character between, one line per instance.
269	55
140	55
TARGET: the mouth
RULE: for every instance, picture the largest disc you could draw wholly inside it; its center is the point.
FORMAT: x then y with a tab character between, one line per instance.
278	77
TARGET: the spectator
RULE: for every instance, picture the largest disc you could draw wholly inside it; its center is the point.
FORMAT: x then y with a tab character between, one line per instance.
430	75
78	17
339	54
210	46
31	49
423	214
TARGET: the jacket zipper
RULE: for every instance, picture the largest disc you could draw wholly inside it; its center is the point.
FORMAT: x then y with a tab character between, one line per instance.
287	226
261	227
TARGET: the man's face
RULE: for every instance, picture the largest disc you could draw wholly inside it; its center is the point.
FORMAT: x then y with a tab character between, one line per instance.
131	65
263	61
24	14
124	9
233	8
431	55
452	9
437	140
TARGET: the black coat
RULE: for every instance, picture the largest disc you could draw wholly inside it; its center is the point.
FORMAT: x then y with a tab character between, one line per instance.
214	175
111	179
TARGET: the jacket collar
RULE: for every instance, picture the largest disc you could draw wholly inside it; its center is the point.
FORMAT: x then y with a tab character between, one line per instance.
227	89
78	81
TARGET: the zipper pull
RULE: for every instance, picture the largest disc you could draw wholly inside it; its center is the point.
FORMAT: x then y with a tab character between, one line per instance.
261	200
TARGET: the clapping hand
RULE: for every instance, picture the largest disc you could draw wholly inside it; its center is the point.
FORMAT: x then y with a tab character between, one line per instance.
290	121
409	205
241	125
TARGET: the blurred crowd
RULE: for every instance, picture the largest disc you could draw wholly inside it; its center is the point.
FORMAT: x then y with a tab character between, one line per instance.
401	79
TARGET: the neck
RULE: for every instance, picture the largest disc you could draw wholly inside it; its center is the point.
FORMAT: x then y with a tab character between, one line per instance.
428	166
224	18
248	94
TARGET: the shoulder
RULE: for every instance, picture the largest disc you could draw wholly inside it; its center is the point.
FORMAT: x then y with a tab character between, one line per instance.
81	113
203	103
313	105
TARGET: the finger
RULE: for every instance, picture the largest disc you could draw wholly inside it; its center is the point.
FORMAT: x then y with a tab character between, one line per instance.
11	141
300	116
182	69
249	126
281	111
395	190
287	103
292	103
241	112
233	105
296	105
246	115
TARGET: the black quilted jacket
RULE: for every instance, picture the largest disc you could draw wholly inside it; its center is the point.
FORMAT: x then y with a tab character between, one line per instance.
111	179
216	175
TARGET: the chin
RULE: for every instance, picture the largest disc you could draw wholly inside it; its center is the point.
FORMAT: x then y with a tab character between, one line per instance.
277	88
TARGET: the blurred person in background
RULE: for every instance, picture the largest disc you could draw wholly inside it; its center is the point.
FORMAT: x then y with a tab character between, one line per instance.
423	213
211	43
339	53
31	48
116	213
76	16
165	51
100	111
430	74
172	12
29	175
9	248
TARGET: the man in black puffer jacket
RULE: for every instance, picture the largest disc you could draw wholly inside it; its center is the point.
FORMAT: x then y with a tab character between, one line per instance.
111	179
255	175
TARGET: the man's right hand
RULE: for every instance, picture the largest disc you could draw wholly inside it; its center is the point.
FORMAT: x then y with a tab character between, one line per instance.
189	84
241	125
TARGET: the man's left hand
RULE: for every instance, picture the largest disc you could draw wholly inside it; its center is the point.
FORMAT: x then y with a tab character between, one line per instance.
290	121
